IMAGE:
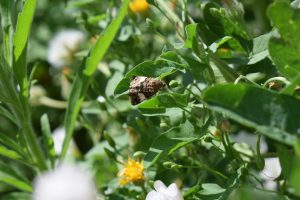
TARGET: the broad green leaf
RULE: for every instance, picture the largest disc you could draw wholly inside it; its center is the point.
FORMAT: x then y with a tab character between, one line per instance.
82	79
49	143
224	21
209	189
223	73
294	178
285	51
212	22
199	70
160	103
247	193
271	114
10	177
174	58
286	162
260	48
168	142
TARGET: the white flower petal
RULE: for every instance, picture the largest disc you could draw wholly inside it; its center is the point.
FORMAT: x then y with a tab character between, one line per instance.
64	183
164	193
270	172
59	135
153	195
62	46
159	185
272	168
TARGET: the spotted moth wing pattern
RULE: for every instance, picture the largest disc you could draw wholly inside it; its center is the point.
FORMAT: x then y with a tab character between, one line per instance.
142	88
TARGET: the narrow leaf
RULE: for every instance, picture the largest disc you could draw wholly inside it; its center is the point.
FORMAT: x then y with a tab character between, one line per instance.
21	37
82	80
49	143
10	177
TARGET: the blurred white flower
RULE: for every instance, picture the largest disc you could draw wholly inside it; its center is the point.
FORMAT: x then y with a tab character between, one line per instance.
64	183
63	46
101	99
59	135
162	192
270	172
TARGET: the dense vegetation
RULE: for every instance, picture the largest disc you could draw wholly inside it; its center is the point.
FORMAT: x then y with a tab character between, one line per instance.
201	93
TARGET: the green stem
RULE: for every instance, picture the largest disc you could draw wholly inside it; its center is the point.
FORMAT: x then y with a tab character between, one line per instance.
31	138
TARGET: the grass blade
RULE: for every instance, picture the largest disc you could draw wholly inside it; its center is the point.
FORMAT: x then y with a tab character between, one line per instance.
82	80
49	143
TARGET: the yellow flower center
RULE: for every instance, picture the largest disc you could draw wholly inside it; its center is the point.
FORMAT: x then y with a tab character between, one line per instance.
133	171
139	6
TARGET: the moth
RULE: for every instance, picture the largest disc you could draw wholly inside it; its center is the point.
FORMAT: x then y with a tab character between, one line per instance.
142	88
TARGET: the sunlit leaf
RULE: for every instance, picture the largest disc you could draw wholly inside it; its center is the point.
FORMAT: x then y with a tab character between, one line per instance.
273	115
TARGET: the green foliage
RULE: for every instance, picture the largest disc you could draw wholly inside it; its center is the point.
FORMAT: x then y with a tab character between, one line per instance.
230	100
82	80
287	24
272	114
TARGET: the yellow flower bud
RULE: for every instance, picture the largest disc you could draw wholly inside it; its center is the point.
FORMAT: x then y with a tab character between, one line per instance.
139	6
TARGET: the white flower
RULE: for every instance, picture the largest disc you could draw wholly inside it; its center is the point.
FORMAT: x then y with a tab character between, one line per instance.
64	183
162	192
270	172
63	46
58	136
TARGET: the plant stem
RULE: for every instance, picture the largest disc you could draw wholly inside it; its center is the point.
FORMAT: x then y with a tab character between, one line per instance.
30	136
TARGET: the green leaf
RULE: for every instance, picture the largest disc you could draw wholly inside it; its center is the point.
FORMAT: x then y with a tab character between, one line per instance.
247	193
159	68
17	196
209	189
168	142
49	143
7	24
224	21
10	143
214	46
6	113
290	89
191	32
273	115
260	48
193	43
173	58
288	25
9	153
286	162
10	177
82	79
21	38
159	103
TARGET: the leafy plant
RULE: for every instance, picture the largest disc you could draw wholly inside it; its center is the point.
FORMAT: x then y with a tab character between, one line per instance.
228	108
